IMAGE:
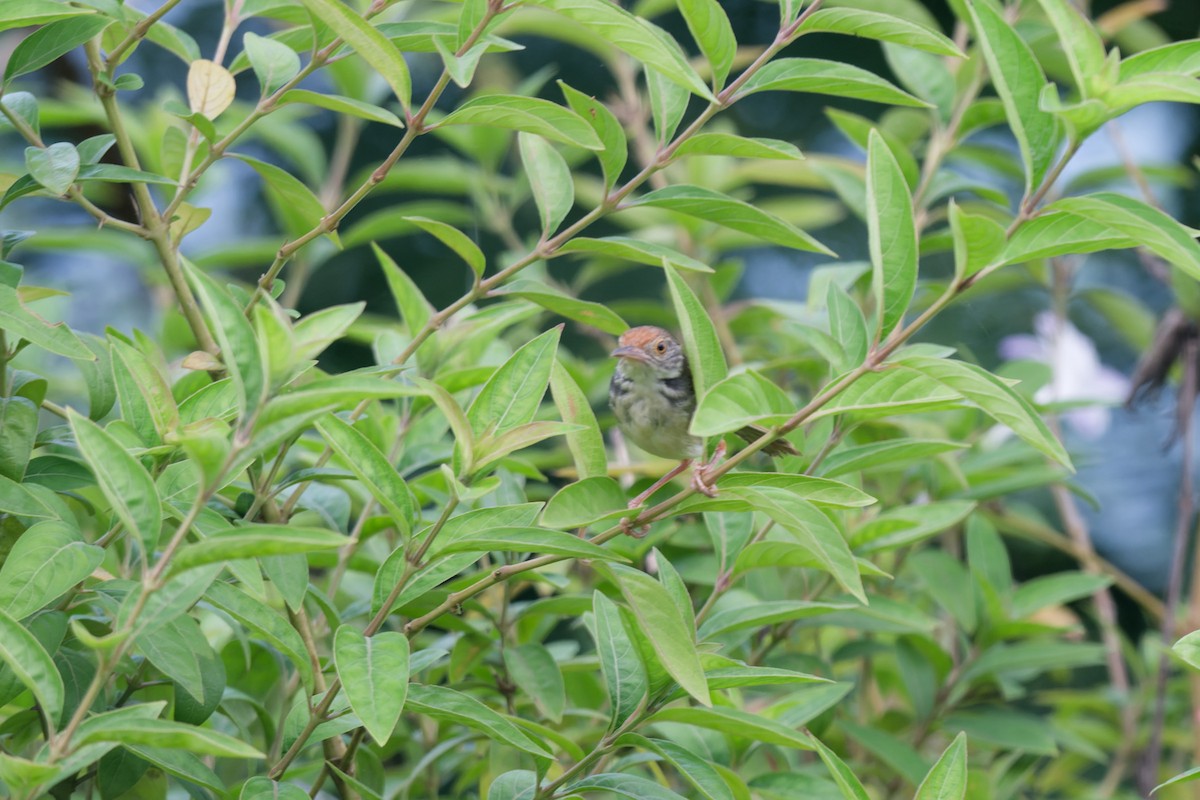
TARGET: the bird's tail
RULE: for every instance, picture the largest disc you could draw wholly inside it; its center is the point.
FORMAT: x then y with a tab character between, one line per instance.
779	447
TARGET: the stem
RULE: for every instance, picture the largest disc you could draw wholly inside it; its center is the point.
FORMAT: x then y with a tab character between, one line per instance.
136	34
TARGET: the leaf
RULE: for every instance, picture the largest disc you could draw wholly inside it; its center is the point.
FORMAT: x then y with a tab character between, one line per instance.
761	614
709	26
22	323
892	750
729	144
549	180
1018	80
274	62
847	325
585	502
1056	233
883	27
892	235
1141	223
18	499
48	42
374	470
1051	590
907	525
996	399
374	674
849	785
299	209
266	622
696	770
634	36
739	400
529	114
210	88
947	779
253	541
54	167
239	347
32	666
1004	728
455	239
1180	58
373	46
978	241
179	763
18	430
534	670
586	444
713	206
623	247
516	784
634	787
23	13
158	402
341	105
125	483
46	561
1033	657
526	540
622	668
705	356
826	77
672	638
512	395
614	150
595	314
449	705
1080	43
735	722
168	734
1183	777
115	173
811	528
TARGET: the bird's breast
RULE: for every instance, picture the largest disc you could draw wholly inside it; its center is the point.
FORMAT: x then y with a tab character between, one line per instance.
655	415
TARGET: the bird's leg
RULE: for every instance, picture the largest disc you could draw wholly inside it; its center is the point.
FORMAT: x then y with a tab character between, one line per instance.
626	525
700	474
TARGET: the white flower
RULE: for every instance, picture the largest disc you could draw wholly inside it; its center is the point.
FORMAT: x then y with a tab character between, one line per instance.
1075	369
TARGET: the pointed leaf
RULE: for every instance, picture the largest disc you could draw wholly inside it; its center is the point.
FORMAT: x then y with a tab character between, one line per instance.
374	674
31	664
586	444
884	27
374	470
512	395
622	668
534	670
368	42
45	562
826	77
705	356
54	167
947	779
447	704
892	235
529	114
614	151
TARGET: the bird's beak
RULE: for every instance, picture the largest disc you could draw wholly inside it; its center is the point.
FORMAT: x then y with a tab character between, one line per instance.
626	351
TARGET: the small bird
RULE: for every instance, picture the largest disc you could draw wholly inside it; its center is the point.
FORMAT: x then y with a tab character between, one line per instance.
654	398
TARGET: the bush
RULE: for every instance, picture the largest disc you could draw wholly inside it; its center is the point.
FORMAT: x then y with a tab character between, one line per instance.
236	570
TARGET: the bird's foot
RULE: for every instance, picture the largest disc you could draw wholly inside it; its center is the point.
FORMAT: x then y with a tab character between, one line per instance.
700	480
627	526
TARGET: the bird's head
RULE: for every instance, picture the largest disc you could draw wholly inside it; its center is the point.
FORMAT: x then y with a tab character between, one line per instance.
648	349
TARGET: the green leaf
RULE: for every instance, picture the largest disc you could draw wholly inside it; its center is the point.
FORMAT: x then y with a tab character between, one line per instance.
586	444
21	323
181	764
18	430
1033	657
734	722
622	668
614	150
1018	80
739	400
827	77
847	325
947	779
125	483
115	173
1180	58
516	784
848	784
267	622
978	241
892	235
455	239
19	500
633	35
341	105
1141	223
492	447
623	247
168	734
899	527
996	399
700	342
696	770
549	180
761	614
1057	233
32	666
585	502
239	347
145	377
526	540
595	314
50	41
24	13
274	62
535	672
1080	42
1051	590
298	207
883	27
374	674
46	561
895	390
374	470
373	46
709	26
1004	728
634	787
893	751
54	167
729	144
1183	777
1188	648
811	528
668	104
529	114
673	639
712	206
253	541
512	395
449	705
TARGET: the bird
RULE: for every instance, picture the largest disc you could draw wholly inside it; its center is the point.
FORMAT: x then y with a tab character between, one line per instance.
653	397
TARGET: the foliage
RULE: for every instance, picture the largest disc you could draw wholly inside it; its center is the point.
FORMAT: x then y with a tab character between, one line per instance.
231	570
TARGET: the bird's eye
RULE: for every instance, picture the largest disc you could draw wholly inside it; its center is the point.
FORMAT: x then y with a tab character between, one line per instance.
661	347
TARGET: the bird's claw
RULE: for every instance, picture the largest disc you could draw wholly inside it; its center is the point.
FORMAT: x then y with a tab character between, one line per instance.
628	528
700	481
